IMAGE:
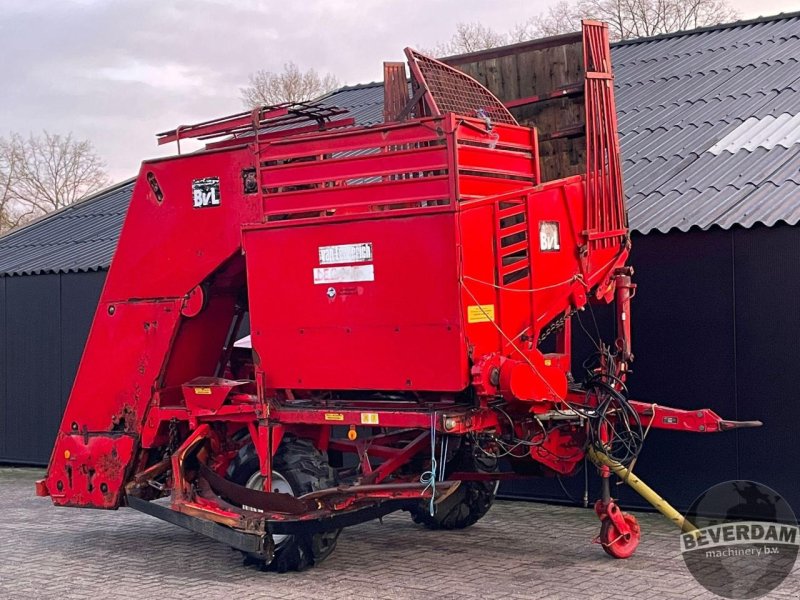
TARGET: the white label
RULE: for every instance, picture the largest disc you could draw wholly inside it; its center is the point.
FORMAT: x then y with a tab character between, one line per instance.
345	253
549	238
344	274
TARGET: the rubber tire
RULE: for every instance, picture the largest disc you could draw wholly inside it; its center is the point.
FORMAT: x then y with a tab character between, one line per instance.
307	470
618	548
468	504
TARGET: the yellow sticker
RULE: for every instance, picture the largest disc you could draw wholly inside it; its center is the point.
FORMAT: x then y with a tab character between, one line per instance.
203	391
483	313
334	417
369	418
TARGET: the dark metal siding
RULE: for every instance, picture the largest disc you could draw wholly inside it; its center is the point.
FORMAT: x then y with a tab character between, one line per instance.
80	293
767	353
47	319
33	371
715	324
683	323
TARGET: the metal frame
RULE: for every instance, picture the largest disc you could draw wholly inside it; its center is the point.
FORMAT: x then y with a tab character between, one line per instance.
157	404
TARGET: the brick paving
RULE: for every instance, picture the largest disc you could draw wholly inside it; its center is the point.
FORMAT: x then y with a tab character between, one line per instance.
519	550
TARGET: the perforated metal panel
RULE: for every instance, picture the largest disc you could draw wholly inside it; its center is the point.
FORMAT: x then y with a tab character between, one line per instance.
450	90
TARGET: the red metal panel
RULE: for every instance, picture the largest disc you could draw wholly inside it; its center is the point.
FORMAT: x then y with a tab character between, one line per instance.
374	164
480	301
360	196
474	186
495	161
508	136
364	333
163	250
391	135
89	470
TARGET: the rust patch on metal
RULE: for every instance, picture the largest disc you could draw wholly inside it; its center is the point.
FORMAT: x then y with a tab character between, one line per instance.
125	420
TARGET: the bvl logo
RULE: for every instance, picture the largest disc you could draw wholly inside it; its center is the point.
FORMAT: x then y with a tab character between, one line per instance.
205	192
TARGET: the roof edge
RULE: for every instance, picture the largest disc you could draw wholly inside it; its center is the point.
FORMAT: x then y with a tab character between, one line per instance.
50	271
718	27
539	43
348	88
52	214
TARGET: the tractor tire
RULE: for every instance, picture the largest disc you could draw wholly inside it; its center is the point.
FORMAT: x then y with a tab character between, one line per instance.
301	466
469	503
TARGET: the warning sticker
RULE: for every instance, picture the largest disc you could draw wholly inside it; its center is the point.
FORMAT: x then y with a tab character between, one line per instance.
480	313
369	419
334	417
202	391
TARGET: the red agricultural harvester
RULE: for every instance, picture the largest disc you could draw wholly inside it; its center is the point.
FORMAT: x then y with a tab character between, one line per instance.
400	282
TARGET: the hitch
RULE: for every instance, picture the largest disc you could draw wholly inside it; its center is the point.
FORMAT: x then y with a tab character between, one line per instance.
702	420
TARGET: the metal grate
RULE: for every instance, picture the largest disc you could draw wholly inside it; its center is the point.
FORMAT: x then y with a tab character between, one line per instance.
450	90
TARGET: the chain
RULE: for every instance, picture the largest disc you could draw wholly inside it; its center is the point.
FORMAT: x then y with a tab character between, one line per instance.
555	325
172	445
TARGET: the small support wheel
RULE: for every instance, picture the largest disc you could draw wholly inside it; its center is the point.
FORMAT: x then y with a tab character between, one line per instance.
616	543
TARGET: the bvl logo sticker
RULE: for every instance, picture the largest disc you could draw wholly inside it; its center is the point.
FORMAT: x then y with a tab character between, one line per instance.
205	192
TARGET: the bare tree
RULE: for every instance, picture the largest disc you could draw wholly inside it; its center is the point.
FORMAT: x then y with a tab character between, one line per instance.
627	18
267	88
43	173
563	17
469	37
9	165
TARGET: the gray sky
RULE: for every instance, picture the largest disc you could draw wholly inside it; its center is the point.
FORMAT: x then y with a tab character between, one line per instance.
118	71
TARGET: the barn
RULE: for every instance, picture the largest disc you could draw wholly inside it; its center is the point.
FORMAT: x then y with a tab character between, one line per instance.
710	137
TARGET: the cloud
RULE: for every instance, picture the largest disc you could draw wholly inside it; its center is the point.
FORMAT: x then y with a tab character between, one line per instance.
118	71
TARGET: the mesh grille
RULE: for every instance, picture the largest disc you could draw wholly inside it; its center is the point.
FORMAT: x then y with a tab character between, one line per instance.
454	91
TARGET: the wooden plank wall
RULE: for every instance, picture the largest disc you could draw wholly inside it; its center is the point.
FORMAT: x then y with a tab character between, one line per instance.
521	72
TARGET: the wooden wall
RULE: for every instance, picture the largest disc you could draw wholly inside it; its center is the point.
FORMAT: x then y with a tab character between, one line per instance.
536	69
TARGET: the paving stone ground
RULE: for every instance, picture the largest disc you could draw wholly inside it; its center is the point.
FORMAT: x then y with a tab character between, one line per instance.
519	550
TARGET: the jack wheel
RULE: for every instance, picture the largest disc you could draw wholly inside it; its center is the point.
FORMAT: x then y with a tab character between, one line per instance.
616	544
298	468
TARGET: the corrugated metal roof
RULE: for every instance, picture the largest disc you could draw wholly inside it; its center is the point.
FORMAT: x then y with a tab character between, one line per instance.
365	102
710	126
766	132
734	89
81	237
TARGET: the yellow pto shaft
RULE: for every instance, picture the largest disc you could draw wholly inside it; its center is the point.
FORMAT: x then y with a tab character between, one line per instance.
641	488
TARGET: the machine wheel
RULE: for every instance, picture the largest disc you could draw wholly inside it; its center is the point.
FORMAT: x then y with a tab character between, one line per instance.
617	545
298	468
469	503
